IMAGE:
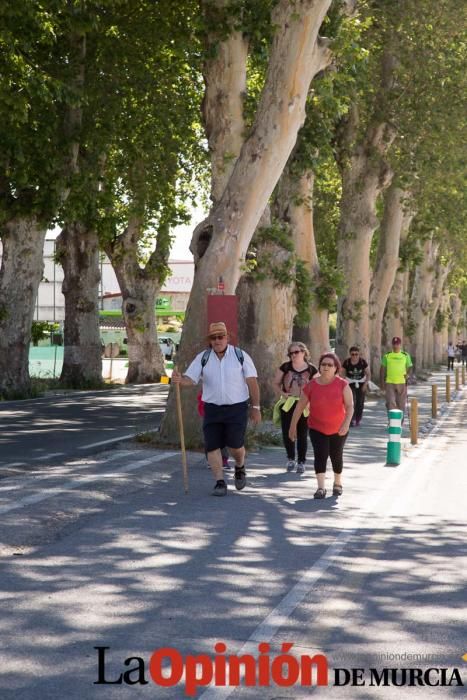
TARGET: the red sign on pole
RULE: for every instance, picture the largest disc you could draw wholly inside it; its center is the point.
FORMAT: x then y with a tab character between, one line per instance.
224	307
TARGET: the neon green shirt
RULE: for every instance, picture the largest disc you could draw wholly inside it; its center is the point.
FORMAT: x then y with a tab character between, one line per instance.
397	365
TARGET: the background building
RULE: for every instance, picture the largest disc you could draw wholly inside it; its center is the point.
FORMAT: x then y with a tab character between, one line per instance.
50	302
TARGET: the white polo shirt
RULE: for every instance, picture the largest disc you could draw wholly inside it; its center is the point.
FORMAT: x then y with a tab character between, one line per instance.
223	380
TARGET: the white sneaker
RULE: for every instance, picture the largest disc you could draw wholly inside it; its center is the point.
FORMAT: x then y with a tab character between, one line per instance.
300	468
290	465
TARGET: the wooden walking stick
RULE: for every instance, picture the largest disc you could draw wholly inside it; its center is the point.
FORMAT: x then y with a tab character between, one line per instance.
182	435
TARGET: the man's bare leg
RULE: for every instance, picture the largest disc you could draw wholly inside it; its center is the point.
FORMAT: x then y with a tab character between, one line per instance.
238	453
215	462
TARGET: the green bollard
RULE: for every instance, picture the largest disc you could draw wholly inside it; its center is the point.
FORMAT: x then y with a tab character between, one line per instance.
393	452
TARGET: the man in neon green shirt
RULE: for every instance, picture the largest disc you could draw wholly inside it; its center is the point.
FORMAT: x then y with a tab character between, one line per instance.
396	366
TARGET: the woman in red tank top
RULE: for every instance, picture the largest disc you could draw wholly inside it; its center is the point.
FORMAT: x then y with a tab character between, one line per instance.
330	404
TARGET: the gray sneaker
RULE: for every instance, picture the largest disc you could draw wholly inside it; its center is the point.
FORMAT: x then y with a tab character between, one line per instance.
290	465
240	478
220	489
300	468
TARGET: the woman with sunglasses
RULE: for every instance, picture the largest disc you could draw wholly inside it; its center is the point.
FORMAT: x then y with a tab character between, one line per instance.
330	404
289	381
355	369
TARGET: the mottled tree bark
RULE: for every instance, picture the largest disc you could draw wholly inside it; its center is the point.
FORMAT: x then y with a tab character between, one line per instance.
394	228
315	334
223	104
441	274
420	302
23	238
365	176
266	311
395	318
77	250
20	273
220	243
456	312
140	287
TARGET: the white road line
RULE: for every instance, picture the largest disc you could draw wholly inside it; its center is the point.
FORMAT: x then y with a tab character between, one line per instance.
108	442
81	481
61	454
276	619
54	469
67	469
49	456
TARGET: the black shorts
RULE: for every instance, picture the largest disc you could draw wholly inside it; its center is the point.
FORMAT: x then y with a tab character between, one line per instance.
224	426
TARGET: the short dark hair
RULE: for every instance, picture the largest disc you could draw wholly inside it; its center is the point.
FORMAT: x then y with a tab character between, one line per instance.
332	356
354	348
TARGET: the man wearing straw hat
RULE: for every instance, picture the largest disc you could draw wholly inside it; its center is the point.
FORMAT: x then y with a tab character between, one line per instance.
230	393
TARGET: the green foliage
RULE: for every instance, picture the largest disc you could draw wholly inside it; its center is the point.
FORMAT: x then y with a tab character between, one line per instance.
303	294
40	50
410	254
41	329
332	91
329	284
271	254
440	321
326	207
278	233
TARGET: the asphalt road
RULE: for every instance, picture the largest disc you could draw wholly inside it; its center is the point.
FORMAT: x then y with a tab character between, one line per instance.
49	430
108	551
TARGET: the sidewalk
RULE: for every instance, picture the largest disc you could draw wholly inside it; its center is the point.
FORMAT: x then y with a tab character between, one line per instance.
367	443
110	552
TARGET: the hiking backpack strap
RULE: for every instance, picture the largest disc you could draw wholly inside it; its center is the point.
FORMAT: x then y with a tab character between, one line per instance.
240	356
204	359
207	353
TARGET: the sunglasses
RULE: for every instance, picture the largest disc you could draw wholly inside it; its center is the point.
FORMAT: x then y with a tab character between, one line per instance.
354	353
217	337
295	352
327	364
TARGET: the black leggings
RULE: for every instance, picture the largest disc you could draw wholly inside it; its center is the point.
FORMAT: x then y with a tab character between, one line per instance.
302	437
358	401
325	446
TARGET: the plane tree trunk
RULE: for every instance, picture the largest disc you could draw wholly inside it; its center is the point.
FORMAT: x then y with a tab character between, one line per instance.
394	227
140	287
20	273
420	303
396	314
456	313
364	178
225	73
77	250
266	306
440	339
22	236
220	243
315	333
441	274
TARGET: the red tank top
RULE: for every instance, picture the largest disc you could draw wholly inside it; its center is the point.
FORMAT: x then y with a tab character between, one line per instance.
327	409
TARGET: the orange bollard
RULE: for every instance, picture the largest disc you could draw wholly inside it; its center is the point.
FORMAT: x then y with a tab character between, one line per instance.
413	421
434	401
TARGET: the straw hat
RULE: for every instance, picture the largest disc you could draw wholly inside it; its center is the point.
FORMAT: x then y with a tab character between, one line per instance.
217	328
